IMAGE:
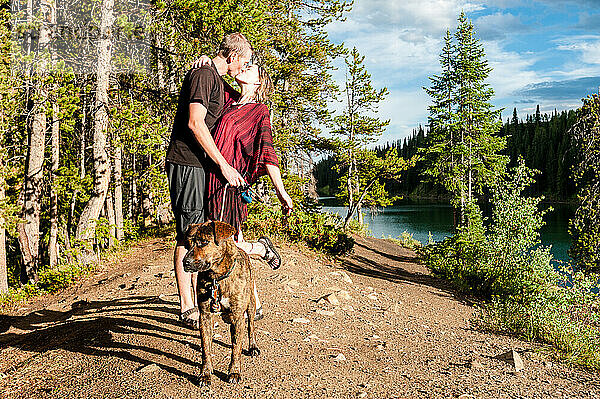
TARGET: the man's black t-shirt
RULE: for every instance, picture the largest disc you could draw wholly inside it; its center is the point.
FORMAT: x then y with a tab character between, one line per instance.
203	85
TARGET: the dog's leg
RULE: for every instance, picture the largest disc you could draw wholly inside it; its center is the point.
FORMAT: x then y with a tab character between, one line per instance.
206	325
235	367
252	347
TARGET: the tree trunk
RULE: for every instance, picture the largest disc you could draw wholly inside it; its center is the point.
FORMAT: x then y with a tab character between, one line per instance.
89	216
3	265
29	231
133	200
53	251
118	181
110	216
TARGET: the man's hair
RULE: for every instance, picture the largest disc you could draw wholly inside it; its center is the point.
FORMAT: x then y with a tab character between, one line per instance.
265	88
234	43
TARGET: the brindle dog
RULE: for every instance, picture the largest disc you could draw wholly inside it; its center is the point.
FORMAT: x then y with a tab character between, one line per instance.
225	286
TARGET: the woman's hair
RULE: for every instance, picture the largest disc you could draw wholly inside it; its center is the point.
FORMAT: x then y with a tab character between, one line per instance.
266	86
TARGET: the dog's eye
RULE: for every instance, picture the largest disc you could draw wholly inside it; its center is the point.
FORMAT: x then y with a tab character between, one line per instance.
201	243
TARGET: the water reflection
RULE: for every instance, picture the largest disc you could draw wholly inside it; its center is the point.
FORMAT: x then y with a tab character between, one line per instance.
422	218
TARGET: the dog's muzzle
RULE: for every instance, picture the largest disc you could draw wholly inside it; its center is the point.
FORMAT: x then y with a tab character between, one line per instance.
191	265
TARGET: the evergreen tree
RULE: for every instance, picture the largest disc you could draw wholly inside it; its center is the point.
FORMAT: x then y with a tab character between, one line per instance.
354	130
463	149
440	151
585	226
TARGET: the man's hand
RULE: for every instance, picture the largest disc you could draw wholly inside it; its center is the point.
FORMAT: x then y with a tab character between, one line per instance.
232	175
203	60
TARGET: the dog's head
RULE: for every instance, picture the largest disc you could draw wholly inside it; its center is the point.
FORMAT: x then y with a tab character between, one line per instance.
207	243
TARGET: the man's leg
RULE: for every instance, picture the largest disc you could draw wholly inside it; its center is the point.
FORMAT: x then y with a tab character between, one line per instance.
186	187
186	282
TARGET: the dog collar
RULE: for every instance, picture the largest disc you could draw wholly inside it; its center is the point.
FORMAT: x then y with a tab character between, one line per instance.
215	291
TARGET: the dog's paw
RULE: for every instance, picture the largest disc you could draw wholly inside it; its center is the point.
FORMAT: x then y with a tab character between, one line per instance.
254	351
234	378
203	380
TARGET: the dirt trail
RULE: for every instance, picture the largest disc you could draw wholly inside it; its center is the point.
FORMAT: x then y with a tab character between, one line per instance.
396	333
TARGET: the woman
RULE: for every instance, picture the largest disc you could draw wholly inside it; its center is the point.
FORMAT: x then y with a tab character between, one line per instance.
243	136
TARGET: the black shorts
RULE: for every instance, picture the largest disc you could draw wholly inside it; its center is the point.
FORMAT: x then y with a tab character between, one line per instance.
186	186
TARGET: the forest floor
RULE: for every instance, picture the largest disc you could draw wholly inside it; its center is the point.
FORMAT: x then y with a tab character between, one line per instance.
392	331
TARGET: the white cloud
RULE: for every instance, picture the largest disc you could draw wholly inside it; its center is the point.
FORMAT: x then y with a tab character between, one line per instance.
432	17
498	26
401	41
587	46
511	71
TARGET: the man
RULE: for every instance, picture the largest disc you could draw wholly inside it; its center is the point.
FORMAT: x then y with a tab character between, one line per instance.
201	101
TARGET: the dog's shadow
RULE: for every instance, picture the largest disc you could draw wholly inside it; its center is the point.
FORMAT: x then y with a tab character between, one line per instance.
245	352
90	328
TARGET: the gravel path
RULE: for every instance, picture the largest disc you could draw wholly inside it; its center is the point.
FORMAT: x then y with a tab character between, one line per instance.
388	331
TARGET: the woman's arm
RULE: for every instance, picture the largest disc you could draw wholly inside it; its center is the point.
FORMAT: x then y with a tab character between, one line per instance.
284	198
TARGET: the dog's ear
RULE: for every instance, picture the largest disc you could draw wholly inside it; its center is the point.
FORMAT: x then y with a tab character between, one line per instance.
191	232
222	231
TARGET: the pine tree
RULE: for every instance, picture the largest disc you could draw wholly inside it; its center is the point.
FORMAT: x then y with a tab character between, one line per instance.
464	146
585	225
354	132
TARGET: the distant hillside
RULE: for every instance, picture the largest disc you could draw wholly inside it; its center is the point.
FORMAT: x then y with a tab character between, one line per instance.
543	141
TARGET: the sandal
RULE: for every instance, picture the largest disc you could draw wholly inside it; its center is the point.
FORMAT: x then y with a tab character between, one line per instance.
258	315
187	321
271	255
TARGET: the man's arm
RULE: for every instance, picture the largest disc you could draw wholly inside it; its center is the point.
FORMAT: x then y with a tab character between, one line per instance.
204	138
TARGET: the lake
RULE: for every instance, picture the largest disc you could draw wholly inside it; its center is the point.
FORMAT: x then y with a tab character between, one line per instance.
421	218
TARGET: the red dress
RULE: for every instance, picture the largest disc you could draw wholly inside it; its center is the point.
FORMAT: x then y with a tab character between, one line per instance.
243	136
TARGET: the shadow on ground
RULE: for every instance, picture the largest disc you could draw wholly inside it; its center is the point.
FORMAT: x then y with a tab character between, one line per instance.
91	331
388	261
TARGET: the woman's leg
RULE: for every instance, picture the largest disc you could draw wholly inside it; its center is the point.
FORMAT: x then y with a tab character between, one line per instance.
248	248
253	249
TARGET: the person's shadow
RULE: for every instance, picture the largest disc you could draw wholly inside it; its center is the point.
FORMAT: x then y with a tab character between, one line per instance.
88	328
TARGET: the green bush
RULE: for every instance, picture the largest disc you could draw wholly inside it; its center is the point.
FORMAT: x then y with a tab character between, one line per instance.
506	264
406	240
318	230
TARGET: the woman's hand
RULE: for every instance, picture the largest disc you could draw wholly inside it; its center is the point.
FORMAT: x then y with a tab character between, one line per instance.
286	203
203	60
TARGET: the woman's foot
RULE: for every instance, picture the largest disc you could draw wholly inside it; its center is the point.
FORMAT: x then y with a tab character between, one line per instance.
271	255
186	319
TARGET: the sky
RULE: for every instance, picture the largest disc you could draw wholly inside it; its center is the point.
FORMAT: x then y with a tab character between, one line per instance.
544	52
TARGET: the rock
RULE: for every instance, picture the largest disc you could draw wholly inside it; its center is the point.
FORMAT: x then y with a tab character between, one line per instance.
342	276
343	295
512	357
348	308
476	364
293	283
361	394
339	358
330	299
150	368
466	396
301	320
375	336
325	312
121	286
217	336
380	347
372	296
162	297
3	375
395	308
80	304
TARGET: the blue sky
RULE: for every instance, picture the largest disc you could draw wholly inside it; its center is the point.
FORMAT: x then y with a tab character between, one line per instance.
544	52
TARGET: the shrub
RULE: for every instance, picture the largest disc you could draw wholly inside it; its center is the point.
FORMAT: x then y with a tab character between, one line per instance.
506	264
406	240
318	230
